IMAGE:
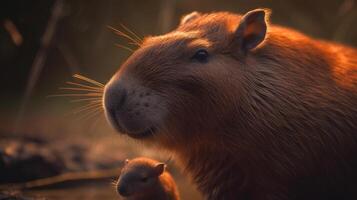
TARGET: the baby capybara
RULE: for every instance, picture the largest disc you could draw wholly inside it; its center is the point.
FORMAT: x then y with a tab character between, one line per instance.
251	110
146	179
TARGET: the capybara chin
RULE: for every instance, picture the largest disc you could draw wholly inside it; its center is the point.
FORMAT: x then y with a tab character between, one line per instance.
251	110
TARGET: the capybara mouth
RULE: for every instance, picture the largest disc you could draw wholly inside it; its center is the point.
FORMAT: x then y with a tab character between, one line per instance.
144	134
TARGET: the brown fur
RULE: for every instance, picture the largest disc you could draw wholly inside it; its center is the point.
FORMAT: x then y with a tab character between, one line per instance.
278	122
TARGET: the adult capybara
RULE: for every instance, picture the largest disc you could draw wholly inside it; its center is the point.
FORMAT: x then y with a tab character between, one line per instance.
252	110
144	178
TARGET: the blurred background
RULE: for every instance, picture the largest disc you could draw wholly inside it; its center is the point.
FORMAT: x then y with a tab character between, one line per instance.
44	42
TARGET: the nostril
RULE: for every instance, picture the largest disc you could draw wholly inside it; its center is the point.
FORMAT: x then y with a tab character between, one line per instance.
115	97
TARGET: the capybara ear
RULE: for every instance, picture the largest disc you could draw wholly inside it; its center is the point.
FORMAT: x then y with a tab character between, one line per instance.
252	29
159	168
189	17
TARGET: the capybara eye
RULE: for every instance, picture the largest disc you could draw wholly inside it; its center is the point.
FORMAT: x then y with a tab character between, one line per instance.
201	56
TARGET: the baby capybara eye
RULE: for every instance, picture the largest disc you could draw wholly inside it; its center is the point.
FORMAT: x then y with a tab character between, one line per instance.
201	55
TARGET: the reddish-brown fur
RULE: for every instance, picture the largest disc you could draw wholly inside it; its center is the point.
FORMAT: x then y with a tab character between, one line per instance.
278	122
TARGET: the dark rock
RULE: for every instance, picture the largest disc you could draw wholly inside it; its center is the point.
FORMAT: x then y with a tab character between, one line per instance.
23	161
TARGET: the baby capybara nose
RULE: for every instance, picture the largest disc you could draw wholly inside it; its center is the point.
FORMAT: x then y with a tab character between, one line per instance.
114	99
122	190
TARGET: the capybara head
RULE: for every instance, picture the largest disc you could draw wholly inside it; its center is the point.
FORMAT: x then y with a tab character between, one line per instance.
139	177
187	82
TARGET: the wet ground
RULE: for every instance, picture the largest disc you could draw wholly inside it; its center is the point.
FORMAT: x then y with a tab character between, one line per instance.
23	160
93	190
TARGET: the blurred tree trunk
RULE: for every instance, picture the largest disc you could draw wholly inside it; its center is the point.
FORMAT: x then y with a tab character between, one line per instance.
166	15
39	60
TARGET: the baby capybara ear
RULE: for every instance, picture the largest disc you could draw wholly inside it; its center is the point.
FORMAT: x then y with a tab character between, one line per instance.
159	168
252	29
189	17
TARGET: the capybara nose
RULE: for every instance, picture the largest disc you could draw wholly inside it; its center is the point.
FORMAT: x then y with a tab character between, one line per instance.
122	190
115	97
128	108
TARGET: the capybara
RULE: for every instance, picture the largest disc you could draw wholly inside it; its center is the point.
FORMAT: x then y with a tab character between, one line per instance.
250	109
144	179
